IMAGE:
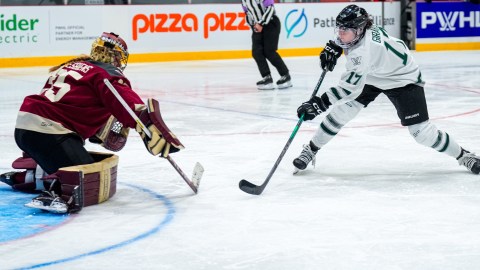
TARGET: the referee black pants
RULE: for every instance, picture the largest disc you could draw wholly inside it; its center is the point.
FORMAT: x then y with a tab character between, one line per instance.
265	46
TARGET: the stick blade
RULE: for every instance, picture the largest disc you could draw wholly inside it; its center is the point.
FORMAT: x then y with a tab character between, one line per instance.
249	188
197	175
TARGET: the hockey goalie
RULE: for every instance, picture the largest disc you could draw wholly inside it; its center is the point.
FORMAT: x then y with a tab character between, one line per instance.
74	105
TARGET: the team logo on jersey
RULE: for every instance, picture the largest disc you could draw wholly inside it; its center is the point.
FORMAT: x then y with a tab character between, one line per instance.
357	60
297	26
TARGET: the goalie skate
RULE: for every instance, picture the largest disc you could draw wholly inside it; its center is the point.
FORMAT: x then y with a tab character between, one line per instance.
7	178
49	201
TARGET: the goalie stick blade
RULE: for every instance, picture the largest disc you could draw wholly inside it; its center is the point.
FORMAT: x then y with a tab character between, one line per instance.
197	176
250	188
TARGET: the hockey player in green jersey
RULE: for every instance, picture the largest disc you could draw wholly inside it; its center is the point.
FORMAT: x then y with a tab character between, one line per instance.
377	63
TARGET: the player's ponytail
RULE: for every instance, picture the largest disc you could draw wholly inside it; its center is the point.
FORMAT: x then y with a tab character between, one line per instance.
82	57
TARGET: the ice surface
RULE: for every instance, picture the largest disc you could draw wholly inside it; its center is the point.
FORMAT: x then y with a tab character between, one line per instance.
376	200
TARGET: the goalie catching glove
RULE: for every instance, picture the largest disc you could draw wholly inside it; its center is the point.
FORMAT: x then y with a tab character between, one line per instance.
113	135
315	106
162	140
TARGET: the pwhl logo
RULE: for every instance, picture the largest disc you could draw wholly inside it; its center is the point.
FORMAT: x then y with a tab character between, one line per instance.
449	21
296	23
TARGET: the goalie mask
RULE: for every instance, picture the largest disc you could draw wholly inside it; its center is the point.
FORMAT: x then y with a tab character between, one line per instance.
111	49
350	26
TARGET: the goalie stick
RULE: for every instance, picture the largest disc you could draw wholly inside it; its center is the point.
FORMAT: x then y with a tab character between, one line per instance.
253	189
197	170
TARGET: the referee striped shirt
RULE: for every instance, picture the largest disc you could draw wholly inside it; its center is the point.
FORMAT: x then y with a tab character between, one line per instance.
258	11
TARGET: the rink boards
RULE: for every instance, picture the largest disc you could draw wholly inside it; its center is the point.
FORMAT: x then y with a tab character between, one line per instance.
32	36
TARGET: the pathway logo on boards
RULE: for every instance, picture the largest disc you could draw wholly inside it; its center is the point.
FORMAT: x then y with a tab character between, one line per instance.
188	22
299	23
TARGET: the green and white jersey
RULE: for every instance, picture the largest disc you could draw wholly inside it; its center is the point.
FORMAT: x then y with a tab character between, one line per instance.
379	60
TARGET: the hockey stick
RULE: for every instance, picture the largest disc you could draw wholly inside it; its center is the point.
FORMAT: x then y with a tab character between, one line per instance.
197	170
257	190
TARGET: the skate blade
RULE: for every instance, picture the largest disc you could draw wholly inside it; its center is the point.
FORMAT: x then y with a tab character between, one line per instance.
266	87
285	85
56	210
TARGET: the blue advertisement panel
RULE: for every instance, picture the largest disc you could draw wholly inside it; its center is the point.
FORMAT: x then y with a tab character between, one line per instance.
455	19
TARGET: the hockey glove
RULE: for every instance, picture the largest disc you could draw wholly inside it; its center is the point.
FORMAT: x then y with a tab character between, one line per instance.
329	55
162	140
313	107
113	135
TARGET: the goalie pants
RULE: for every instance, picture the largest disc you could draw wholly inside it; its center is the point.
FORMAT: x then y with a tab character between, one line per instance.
265	46
53	151
409	101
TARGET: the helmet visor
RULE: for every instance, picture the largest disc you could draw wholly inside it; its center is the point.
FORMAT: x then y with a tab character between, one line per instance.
346	37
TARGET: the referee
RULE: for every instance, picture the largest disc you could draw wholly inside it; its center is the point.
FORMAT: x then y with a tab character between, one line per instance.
266	27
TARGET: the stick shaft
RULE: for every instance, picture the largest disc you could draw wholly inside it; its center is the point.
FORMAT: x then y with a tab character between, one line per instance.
129	110
287	145
182	174
147	132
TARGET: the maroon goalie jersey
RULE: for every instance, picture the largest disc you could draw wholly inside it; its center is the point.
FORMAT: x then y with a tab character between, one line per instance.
76	99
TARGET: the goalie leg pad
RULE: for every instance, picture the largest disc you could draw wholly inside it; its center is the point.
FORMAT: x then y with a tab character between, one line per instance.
29	180
95	183
79	186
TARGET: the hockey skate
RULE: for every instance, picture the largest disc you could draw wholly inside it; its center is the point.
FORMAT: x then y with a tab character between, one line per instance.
266	83
22	181
49	201
284	82
8	178
471	161
307	155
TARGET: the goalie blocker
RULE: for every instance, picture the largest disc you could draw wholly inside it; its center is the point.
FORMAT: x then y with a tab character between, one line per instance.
78	186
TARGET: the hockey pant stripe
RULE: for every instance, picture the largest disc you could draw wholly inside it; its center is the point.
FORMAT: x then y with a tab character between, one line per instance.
328	131
334	122
346	91
440	140
447	141
340	115
335	92
427	134
339	95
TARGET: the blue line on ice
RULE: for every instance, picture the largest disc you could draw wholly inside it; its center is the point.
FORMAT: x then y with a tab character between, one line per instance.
167	219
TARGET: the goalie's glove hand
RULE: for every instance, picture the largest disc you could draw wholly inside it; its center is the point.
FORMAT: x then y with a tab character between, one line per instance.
315	106
329	55
162	140
113	135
